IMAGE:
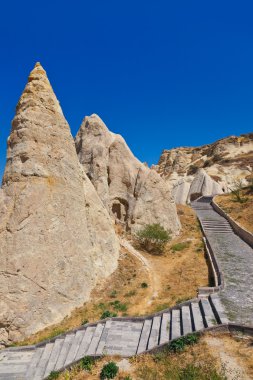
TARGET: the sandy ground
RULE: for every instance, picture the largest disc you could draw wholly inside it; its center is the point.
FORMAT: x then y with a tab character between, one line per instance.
242	213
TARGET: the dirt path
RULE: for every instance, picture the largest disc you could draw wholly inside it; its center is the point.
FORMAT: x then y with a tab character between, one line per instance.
154	280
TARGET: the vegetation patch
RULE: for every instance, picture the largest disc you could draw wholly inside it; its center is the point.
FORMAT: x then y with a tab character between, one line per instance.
179	344
109	371
240	211
53	375
108	314
117	305
87	363
180	246
153	238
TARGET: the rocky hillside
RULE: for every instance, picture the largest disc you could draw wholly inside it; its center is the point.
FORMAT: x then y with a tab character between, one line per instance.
56	237
215	167
133	194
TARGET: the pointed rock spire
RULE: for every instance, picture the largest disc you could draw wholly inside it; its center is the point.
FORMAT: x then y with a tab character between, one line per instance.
38	93
40	136
57	239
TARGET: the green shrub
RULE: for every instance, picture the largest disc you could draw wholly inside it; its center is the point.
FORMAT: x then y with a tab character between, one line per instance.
108	314
153	238
109	371
87	363
53	375
117	305
85	321
179	344
236	191
180	246
144	285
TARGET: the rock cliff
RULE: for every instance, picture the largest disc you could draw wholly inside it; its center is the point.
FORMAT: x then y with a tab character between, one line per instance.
134	194
219	165
56	237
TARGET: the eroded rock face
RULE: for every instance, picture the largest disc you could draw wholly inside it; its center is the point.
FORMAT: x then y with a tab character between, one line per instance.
56	237
133	194
222	163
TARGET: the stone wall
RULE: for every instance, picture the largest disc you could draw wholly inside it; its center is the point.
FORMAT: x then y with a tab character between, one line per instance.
244	234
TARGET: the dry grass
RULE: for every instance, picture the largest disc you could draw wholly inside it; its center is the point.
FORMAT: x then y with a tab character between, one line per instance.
180	272
207	357
242	213
171	278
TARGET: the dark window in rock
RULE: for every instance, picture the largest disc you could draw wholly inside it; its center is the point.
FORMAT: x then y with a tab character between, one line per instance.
116	209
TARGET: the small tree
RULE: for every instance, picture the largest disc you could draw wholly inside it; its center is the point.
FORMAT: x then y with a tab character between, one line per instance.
236	190
153	238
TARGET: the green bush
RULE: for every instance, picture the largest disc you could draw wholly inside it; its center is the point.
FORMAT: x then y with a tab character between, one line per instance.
109	371
85	321
53	375
117	305
236	191
144	285
87	363
153	238
179	344
108	314
180	246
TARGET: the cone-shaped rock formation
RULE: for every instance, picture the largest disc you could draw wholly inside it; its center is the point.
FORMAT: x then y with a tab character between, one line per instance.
133	194
56	237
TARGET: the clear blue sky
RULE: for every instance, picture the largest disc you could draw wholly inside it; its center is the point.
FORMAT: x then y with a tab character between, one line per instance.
162	73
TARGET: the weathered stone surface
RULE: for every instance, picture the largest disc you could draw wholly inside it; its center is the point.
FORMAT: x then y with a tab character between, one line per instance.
134	194
223	162
188	189
56	237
